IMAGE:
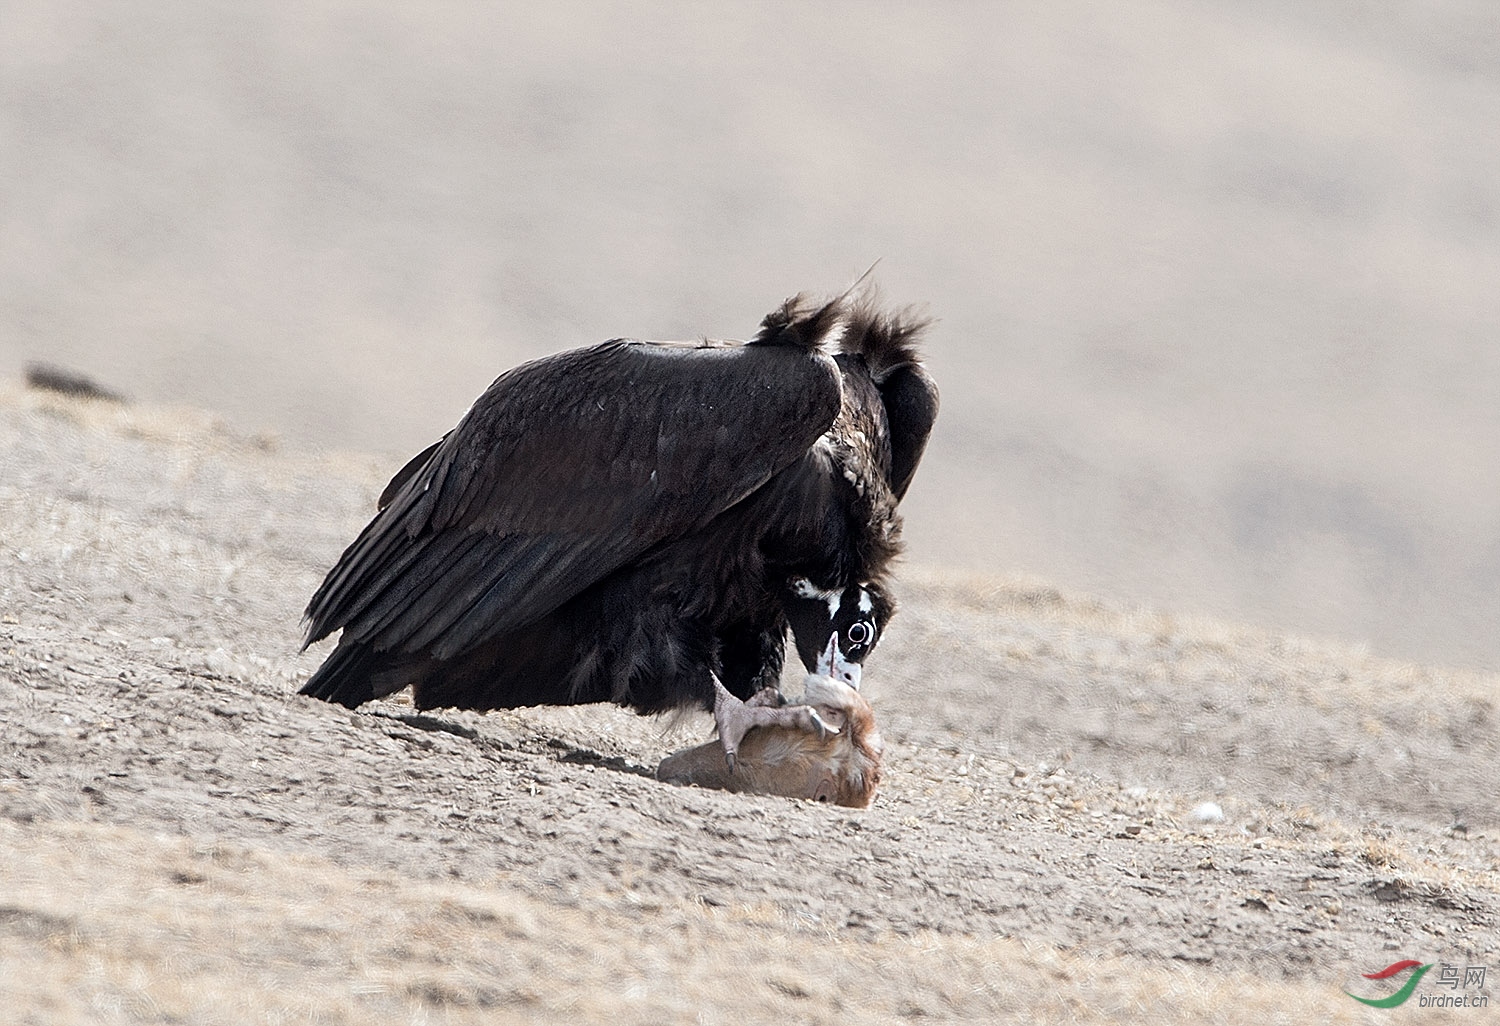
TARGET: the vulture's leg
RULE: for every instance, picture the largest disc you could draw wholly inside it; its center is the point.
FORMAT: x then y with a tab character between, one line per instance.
767	696
735	719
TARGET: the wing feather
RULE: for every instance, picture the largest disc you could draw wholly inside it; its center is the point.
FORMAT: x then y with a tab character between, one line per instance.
911	407
565	470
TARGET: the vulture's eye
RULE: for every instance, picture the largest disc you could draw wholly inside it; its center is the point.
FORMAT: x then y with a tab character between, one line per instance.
860	633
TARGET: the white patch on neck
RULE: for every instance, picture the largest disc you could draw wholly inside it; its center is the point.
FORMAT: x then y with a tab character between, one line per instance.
803	588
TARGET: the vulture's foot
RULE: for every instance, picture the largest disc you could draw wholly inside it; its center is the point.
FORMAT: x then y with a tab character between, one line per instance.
769	697
735	718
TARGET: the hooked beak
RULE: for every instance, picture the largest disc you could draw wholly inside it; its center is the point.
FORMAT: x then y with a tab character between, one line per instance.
831	663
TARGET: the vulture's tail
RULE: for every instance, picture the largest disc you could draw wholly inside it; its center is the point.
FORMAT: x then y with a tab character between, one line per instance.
344	677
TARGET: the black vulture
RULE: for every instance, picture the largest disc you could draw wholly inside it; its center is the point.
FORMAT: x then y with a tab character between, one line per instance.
640	523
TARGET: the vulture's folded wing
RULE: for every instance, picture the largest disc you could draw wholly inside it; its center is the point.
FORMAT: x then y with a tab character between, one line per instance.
565	470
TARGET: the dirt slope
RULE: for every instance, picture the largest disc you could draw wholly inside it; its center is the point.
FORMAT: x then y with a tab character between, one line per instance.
182	838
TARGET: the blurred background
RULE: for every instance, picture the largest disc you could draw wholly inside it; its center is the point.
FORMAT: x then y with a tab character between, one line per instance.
1218	282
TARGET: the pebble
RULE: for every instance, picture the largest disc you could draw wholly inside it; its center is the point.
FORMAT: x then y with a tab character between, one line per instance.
1208	812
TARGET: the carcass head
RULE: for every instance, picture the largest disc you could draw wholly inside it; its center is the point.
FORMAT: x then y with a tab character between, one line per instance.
842	768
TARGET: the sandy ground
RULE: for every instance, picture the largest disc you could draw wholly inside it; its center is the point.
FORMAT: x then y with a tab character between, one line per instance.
183	838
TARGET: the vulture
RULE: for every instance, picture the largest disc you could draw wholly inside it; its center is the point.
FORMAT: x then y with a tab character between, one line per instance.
640	523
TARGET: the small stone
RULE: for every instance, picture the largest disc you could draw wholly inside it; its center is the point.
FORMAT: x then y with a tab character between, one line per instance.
1208	812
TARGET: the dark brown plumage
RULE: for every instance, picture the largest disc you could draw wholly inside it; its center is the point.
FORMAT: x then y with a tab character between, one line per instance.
625	522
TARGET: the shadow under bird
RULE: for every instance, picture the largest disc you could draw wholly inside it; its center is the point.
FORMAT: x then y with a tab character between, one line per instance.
640	523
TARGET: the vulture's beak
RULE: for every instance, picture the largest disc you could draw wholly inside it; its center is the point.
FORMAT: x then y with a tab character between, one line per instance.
833	664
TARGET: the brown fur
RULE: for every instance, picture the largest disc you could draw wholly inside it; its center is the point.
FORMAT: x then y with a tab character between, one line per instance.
842	768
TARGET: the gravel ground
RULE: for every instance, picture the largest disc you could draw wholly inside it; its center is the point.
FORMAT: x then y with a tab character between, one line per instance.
1088	813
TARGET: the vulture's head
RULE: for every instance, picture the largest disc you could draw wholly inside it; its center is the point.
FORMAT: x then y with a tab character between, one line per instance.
836	629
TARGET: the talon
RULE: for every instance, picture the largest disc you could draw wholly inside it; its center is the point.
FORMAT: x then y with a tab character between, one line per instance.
734	718
824	727
724	713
